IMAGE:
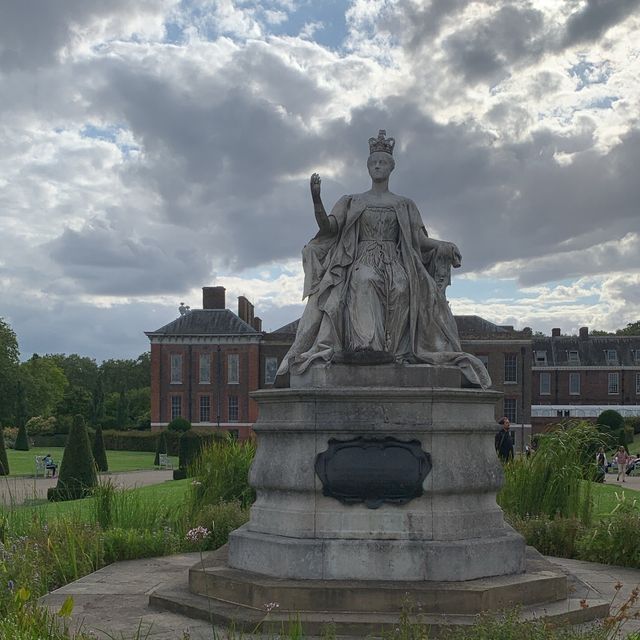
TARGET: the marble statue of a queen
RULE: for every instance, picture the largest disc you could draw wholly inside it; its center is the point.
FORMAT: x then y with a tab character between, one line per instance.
375	282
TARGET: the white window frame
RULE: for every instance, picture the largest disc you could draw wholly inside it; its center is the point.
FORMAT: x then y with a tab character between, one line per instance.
176	407
236	407
609	358
613	383
574	376
511	365
573	357
233	368
175	362
208	408
204	368
513	417
541	358
270	369
545	375
638	383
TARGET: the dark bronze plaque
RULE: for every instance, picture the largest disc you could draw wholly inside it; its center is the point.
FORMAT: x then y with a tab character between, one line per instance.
373	470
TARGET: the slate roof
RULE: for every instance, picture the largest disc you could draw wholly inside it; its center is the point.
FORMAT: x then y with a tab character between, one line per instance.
199	322
591	351
288	329
467	325
475	325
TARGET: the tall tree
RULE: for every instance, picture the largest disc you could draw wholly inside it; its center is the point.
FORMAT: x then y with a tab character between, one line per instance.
45	383
632	329
9	371
97	413
122	417
22	439
127	374
80	371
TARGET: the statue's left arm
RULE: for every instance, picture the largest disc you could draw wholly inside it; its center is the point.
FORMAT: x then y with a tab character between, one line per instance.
438	256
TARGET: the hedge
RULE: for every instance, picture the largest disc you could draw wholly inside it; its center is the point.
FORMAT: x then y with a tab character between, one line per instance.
147	440
129	440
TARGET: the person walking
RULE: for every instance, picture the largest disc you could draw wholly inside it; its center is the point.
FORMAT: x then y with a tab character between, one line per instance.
622	457
504	440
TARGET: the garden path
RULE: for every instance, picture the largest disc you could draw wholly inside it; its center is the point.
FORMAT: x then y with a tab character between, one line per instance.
17	490
113	601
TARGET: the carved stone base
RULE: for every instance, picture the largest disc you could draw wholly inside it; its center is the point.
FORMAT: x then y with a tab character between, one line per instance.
345	523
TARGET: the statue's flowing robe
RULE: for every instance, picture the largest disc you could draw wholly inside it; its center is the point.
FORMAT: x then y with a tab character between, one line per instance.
327	261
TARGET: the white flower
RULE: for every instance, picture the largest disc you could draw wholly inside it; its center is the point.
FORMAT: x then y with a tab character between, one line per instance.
197	534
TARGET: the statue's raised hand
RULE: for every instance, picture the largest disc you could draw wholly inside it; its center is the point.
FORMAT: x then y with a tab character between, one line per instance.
315	187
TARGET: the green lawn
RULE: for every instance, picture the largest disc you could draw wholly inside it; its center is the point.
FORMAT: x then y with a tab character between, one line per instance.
169	493
604	497
22	463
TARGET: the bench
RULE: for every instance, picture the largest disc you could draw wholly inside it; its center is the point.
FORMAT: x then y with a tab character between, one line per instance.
164	462
42	469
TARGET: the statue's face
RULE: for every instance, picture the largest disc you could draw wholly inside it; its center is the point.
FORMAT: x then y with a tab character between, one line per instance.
380	165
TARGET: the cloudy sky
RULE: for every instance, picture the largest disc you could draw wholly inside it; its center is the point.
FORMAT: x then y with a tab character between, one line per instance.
149	148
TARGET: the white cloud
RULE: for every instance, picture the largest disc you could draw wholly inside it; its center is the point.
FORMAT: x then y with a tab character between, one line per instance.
135	170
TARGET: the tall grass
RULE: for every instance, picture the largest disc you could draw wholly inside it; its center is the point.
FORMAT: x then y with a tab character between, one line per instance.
221	474
131	509
551	482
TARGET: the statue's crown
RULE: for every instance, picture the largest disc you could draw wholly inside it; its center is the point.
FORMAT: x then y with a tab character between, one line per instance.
382	143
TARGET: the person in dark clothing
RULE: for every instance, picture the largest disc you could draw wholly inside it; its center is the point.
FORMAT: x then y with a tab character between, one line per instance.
504	441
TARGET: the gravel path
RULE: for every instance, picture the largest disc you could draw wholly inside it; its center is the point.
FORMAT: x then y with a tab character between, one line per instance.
17	490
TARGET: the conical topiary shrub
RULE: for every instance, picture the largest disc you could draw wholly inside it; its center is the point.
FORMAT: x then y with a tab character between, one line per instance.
161	447
4	461
22	439
190	445
78	470
99	452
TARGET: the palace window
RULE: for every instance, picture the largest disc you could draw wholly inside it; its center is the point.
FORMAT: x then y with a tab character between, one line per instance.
541	358
205	368
233	409
510	367
270	369
176	407
611	356
176	368
573	357
574	384
233	368
545	383
637	384
205	408
613	383
511	409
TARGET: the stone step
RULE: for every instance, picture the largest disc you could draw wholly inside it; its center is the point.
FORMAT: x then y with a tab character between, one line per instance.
571	611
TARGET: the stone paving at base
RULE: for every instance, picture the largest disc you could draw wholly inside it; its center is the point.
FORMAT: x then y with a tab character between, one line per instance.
113	602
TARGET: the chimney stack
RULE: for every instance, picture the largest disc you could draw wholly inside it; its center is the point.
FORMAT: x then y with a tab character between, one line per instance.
555	333
245	310
213	298
584	332
257	323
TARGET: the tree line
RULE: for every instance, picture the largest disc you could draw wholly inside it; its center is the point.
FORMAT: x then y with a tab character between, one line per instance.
49	390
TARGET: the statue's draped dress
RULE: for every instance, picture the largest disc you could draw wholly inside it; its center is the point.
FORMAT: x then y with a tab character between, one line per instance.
371	286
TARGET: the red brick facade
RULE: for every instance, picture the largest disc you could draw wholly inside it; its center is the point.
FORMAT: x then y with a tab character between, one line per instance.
580	376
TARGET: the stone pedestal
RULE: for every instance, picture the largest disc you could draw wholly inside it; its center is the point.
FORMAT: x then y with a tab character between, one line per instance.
447	552
454	531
